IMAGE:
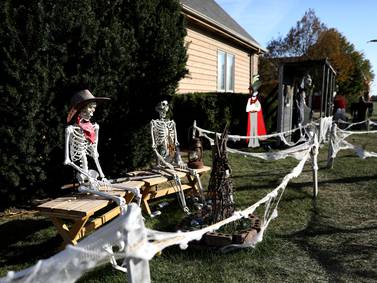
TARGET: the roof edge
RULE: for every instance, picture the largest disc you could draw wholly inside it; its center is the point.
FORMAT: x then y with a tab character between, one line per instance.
225	29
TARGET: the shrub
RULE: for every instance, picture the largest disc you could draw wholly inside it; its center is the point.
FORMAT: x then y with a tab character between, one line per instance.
130	51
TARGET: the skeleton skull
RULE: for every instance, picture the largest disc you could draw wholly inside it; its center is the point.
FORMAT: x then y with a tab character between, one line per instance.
306	81
162	108
88	111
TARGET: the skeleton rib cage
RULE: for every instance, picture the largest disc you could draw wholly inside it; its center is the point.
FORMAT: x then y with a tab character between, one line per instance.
80	147
164	136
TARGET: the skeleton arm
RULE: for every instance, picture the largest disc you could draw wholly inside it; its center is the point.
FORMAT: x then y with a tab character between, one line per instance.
95	153
152	134
178	158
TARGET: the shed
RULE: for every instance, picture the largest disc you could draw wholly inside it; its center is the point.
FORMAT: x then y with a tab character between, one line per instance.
299	102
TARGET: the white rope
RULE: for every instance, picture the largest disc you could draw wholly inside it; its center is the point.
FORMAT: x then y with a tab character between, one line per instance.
281	135
350	125
338	143
296	152
358	132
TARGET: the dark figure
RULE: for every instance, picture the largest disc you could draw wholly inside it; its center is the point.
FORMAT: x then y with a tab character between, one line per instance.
361	110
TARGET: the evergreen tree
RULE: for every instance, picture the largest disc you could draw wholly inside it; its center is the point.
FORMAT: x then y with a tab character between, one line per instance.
130	51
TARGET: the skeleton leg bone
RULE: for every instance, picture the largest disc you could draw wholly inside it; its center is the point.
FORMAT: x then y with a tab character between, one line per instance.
195	174
119	200
93	187
179	190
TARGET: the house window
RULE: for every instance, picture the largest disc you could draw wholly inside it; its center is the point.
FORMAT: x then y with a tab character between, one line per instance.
225	71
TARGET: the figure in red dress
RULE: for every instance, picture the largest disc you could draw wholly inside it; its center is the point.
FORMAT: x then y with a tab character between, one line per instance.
255	121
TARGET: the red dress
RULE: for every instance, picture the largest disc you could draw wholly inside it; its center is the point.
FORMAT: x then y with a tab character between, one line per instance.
261	128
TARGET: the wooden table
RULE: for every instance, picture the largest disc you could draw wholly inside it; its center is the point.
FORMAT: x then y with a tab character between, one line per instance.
158	187
75	216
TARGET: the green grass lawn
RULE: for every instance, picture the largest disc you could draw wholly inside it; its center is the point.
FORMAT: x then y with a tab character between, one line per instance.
332	239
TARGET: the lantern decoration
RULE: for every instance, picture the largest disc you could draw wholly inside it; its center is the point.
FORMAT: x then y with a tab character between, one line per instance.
195	156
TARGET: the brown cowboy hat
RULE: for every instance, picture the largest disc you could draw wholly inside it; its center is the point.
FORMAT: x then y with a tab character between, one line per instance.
80	99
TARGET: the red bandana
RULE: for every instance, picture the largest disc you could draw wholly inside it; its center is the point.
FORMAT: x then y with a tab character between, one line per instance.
87	128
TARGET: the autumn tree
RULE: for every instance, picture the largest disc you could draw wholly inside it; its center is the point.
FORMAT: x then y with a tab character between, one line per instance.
353	69
299	38
311	39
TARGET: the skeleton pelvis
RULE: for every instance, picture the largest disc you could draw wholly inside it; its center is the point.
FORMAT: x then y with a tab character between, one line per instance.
83	178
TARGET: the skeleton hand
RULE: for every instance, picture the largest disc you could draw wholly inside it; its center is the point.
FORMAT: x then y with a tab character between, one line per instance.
170	166
93	184
182	165
105	180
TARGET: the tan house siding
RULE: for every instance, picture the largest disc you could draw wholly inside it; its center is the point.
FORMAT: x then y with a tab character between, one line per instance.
254	64
202	62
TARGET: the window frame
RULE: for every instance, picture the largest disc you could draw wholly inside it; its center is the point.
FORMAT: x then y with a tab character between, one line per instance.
226	75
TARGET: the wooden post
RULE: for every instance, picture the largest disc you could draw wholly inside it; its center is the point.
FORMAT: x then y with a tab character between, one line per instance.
314	155
137	268
330	159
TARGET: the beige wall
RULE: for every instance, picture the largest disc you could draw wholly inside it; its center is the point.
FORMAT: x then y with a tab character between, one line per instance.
202	63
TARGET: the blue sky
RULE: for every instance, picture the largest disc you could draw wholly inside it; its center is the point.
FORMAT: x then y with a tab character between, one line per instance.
268	19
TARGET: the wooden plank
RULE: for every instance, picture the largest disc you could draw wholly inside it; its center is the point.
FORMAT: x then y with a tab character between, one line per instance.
76	230
79	208
190	89
62	230
207	41
122	187
55	202
201	52
74	204
62	215
200	65
155	181
146	206
71	214
66	208
203	170
204	58
196	85
179	173
91	206
164	192
101	220
196	73
138	172
133	184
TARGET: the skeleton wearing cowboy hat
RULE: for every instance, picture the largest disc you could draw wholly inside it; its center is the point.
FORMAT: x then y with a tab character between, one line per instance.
81	140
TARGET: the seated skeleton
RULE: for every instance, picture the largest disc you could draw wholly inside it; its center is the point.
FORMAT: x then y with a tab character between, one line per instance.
81	140
164	139
166	147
